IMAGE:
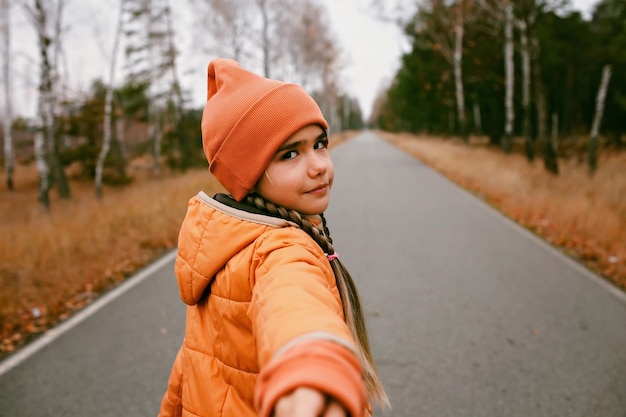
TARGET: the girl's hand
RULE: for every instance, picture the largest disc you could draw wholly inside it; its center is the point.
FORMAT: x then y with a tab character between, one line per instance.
308	402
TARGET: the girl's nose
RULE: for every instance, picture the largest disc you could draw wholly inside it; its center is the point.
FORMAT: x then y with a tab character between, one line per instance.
318	165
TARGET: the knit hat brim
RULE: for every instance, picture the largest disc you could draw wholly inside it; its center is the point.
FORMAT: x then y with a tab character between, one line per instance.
246	119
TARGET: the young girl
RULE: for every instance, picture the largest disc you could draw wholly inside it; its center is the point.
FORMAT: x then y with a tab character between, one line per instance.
274	324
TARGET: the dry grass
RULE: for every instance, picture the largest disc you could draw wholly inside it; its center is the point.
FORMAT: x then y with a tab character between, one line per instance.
55	262
52	263
583	215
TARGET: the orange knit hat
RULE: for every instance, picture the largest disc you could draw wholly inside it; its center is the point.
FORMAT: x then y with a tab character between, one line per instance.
245	120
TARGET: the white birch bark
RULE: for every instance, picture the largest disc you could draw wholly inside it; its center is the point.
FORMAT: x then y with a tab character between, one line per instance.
265	36
45	19
600	99
526	78
9	156
509	70
597	119
108	103
40	160
61	139
56	56
458	69
43	137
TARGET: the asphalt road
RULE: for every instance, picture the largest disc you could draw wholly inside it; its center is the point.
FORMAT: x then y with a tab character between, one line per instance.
469	314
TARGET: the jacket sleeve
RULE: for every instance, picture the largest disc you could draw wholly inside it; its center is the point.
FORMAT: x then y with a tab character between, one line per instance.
171	404
322	365
297	320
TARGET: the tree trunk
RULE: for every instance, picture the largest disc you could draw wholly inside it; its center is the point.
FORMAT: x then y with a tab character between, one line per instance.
54	96
156	133
42	168
47	102
597	119
478	122
178	95
345	107
108	104
154	109
458	70
509	75
554	137
265	37
44	135
9	155
121	147
549	152
119	130
529	145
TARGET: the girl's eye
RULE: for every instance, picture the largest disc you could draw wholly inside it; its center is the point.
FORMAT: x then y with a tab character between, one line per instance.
288	155
321	144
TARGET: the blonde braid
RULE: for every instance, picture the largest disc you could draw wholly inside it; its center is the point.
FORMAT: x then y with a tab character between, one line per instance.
259	202
351	303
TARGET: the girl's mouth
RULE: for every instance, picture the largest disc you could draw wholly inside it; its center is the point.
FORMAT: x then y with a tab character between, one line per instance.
321	189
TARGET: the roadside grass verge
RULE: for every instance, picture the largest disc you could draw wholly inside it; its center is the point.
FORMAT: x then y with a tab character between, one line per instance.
583	215
55	262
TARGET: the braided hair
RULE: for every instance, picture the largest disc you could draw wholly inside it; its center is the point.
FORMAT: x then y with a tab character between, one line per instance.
351	303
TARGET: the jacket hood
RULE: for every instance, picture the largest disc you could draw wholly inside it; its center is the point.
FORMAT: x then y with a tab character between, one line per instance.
213	232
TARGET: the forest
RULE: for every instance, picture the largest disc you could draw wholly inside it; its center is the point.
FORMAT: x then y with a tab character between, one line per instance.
140	108
526	71
521	77
533	74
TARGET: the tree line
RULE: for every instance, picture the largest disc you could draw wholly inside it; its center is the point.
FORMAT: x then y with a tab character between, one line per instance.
140	107
529	69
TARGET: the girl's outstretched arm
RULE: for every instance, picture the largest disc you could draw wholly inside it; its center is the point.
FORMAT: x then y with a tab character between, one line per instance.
307	402
302	339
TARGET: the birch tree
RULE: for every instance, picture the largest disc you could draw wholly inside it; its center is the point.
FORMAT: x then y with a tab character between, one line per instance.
529	147
501	13
151	60
597	119
229	23
246	30
265	38
458	67
530	10
509	71
549	151
274	16
47	24
445	28
7	120
607	26
108	102
310	49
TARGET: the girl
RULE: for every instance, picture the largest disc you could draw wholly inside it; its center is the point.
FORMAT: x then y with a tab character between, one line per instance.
274	324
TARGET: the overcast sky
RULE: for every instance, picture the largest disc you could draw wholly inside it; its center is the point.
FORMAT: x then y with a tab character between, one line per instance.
372	50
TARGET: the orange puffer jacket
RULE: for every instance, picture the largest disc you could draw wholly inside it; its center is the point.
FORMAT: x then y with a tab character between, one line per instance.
264	316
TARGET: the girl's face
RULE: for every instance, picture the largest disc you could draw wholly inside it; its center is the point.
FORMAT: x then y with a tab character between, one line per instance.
301	174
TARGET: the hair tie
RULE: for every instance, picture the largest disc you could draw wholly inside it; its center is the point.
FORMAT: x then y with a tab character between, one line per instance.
332	256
